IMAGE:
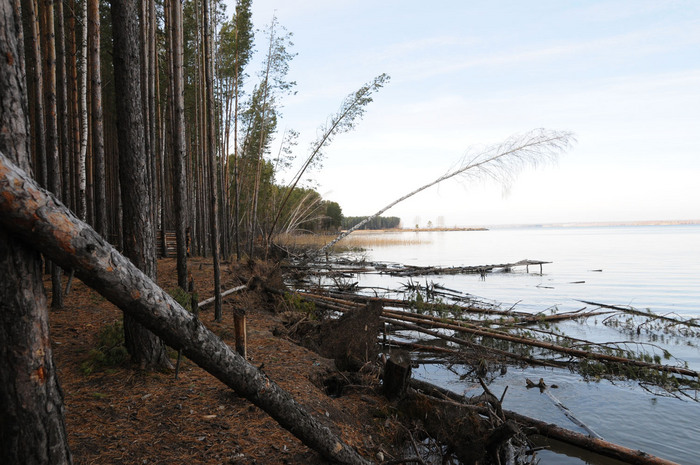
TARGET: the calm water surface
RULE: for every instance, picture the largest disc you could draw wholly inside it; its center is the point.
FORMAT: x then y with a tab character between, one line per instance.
647	267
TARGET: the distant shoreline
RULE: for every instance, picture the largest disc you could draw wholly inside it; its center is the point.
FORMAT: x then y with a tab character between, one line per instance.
399	230
592	224
572	224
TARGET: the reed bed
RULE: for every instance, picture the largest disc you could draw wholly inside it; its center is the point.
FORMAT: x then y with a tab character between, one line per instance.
357	241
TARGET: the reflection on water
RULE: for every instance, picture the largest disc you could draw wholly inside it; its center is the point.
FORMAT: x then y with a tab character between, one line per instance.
653	267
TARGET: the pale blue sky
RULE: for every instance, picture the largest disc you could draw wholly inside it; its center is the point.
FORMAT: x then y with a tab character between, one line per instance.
623	75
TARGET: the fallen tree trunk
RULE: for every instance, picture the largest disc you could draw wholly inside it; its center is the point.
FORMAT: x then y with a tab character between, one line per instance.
452	401
599	446
233	290
633	311
41	221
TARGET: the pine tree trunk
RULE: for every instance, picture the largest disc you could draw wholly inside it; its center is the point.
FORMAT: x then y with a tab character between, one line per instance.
146	349
152	123
179	154
38	84
82	160
52	160
211	157
32	429
98	145
74	112
62	80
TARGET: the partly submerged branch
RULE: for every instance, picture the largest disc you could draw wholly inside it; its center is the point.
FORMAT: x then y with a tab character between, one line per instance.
500	162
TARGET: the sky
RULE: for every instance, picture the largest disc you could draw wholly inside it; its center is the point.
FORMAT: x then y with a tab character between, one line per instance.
622	75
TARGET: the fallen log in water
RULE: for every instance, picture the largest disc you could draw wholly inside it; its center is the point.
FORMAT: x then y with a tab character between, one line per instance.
632	311
578	353
38	219
412	270
449	401
396	316
400	303
477	347
599	446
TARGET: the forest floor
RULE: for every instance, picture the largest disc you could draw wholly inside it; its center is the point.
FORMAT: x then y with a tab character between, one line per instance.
123	415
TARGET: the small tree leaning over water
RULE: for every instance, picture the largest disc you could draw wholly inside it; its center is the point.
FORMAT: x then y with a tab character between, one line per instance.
501	162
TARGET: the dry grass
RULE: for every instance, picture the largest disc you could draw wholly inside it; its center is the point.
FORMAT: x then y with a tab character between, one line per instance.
358	240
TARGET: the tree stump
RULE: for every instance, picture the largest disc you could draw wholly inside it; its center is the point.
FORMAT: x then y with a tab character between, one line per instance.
239	324
397	373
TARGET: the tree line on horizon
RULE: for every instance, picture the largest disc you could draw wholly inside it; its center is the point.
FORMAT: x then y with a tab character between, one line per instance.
378	222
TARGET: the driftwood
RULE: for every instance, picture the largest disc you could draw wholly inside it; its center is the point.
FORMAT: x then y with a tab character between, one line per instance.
37	218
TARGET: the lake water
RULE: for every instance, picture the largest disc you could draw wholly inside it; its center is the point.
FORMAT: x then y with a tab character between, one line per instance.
647	267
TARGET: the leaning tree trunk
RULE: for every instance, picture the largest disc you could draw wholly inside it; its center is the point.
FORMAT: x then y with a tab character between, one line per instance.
145	348
40	220
32	429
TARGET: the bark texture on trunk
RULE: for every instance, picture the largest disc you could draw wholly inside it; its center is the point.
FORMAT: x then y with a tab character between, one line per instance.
32	429
179	154
146	349
211	157
98	144
38	83
43	222
52	159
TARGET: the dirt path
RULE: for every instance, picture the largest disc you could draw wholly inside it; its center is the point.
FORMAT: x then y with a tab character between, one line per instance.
123	415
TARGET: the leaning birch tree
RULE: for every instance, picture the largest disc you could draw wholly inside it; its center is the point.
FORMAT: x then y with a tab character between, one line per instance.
351	110
501	162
